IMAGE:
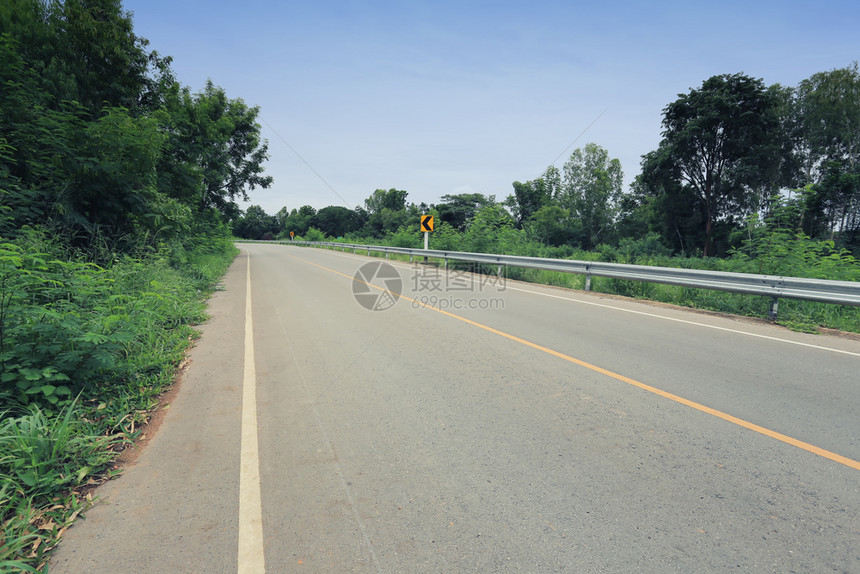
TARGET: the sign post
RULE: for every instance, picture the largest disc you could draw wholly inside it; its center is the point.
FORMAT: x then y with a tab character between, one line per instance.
292	235
426	227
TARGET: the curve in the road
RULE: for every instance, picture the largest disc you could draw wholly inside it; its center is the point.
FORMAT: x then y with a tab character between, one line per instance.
851	463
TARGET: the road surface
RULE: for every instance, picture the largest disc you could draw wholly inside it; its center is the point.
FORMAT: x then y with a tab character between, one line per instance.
480	425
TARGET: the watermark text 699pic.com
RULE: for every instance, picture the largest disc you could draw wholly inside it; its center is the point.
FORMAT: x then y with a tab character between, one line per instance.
377	286
458	303
444	289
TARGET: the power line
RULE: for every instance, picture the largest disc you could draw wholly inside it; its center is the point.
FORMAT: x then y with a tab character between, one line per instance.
304	161
579	136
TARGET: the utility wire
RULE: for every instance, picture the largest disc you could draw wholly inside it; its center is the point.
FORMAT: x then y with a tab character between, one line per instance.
579	136
304	161
346	203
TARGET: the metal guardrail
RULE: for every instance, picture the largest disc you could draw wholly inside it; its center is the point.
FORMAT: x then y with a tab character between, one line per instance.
775	287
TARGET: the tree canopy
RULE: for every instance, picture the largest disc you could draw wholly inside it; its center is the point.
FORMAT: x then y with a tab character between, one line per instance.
732	150
720	142
98	138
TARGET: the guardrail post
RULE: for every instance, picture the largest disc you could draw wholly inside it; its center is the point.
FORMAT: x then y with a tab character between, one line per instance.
774	304
387	254
773	288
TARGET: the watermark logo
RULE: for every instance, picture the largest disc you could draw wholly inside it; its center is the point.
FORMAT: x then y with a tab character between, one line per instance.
372	298
446	289
469	277
377	286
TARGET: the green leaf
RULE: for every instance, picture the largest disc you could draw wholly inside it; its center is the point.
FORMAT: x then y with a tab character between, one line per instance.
82	473
94	338
31	374
28	478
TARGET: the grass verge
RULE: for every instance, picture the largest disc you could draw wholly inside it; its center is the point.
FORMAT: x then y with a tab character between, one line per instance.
802	316
85	351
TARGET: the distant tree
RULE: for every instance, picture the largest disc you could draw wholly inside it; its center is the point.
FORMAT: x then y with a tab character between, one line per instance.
552	224
828	117
488	228
255	223
659	201
829	104
393	199
281	218
385	221
299	221
590	192
386	212
336	221
722	142
457	210
361	215
832	205
532	195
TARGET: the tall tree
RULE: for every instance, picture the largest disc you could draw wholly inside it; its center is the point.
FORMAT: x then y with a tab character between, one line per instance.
393	199
78	142
723	142
829	104
255	223
80	50
532	195
100	51
457	210
214	153
658	201
299	220
336	220
386	211
828	111
591	190
553	225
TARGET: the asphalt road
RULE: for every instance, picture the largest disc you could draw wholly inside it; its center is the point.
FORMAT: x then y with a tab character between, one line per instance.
511	428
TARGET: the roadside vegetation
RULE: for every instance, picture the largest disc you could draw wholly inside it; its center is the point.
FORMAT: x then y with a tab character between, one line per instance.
86	350
117	184
773	250
747	178
118	190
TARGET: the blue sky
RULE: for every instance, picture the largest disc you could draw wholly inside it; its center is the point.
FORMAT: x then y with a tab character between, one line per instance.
468	96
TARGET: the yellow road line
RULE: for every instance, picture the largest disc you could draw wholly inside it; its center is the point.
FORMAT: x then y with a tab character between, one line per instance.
699	407
251	552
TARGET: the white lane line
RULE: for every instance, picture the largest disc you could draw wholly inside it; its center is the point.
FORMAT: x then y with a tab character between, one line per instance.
403	264
707	326
251	553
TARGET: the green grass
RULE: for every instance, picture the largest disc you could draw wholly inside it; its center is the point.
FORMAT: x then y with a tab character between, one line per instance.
804	259
85	350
